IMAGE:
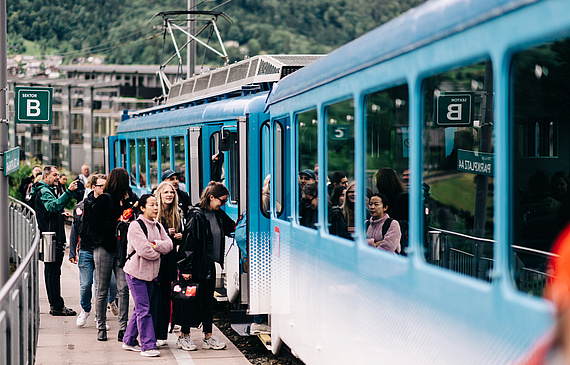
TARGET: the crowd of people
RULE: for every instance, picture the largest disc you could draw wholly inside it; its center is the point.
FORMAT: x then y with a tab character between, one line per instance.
169	244
386	213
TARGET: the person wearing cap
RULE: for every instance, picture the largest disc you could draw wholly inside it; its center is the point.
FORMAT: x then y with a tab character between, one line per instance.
306	177
183	198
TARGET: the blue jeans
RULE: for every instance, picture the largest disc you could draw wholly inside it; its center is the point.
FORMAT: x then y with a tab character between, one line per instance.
86	266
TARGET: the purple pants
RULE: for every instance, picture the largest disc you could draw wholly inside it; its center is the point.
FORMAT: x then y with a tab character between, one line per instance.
141	320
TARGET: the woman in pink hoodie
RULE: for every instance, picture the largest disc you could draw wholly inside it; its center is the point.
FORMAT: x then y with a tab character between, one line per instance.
390	241
147	239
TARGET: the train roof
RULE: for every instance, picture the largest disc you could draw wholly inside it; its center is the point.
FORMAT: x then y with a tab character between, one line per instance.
227	109
433	20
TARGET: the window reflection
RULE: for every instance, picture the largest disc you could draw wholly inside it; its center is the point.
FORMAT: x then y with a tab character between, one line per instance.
307	146
458	170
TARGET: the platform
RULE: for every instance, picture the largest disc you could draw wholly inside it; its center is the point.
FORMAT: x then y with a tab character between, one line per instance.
62	342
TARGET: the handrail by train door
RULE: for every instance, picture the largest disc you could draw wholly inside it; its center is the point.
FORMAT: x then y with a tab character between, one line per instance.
194	183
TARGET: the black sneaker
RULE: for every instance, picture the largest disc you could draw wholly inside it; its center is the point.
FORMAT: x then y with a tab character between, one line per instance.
102	335
63	312
121	335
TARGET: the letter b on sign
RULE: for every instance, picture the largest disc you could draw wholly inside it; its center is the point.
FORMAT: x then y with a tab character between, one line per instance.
454	112
34	105
454	109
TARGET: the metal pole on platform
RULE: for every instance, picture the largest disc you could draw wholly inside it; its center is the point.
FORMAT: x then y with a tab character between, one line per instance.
4	201
191	50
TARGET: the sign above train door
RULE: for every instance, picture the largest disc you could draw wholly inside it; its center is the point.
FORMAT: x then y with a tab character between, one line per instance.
454	109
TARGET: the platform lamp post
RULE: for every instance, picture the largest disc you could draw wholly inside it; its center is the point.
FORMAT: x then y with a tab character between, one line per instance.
4	200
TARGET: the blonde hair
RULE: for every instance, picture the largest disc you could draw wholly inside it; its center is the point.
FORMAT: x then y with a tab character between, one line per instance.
170	214
93	179
347	210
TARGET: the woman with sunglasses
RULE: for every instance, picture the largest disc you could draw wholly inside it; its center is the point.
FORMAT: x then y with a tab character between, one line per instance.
202	246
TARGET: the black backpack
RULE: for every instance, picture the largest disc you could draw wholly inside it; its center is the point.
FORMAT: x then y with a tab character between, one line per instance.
121	233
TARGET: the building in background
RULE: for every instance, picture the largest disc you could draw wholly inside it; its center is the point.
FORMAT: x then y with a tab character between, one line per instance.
87	107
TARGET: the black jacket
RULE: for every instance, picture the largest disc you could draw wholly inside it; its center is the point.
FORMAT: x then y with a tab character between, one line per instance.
106	212
90	239
195	255
183	202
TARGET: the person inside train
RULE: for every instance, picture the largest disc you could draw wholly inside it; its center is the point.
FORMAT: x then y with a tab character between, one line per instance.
337	178
388	183
348	207
559	186
305	177
202	246
379	236
311	200
554	347
337	196
170	216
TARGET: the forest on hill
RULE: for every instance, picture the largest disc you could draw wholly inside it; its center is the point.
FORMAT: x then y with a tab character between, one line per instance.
120	31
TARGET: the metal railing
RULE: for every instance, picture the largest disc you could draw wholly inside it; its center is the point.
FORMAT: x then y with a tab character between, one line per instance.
472	256
19	297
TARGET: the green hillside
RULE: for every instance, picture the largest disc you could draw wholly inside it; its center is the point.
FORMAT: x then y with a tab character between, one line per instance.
120	31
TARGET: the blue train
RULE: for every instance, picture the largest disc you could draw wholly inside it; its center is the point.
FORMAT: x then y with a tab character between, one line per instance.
464	103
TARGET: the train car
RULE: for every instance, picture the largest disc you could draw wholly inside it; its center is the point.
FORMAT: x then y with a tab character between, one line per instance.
209	129
456	112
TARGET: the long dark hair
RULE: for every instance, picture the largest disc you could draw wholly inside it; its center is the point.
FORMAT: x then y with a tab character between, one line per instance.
217	189
118	183
388	182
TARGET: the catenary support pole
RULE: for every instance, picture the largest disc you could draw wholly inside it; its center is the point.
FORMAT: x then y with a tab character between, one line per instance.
4	201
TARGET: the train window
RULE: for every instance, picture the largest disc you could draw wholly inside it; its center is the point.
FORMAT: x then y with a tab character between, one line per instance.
142	162
278	164
233	159
387	164
541	162
122	161
133	160
458	170
152	163
180	159
340	165
265	175
307	151
165	153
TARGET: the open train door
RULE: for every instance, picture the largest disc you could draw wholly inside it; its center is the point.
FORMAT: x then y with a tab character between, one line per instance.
259	248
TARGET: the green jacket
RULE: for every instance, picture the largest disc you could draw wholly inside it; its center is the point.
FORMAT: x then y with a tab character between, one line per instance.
49	210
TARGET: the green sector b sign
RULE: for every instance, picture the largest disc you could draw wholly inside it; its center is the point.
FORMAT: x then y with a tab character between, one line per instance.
34	105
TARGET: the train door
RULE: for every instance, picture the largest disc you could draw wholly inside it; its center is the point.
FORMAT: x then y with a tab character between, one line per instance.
221	162
259	250
194	171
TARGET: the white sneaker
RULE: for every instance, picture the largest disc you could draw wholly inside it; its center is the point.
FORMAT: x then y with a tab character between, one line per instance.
160	343
131	348
150	353
257	328
82	318
186	343
213	343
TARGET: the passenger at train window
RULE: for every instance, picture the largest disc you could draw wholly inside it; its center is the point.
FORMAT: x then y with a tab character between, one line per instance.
348	207
388	183
559	186
337	178
217	169
337	196
183	199
381	236
306	177
310	197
